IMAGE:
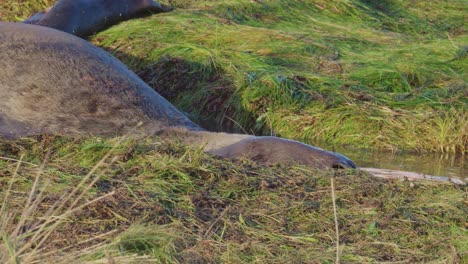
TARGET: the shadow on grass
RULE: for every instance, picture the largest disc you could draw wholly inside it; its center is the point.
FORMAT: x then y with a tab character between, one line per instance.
207	96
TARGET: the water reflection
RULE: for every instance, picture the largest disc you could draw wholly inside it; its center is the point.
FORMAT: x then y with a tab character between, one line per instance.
455	166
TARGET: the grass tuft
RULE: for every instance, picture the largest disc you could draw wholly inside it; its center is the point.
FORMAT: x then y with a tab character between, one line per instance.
173	204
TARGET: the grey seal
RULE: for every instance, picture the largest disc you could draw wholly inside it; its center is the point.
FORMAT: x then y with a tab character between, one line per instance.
86	17
56	83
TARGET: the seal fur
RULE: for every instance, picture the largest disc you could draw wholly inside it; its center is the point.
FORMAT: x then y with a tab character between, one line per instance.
86	17
53	82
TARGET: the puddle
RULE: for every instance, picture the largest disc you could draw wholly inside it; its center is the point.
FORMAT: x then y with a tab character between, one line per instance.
447	165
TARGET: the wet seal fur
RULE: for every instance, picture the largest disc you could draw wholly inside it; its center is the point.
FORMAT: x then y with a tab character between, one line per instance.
86	17
55	83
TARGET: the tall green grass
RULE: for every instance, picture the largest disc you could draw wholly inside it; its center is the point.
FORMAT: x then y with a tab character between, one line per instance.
385	74
361	73
345	72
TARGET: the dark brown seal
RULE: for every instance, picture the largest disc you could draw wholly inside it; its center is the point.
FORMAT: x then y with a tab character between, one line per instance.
56	83
86	17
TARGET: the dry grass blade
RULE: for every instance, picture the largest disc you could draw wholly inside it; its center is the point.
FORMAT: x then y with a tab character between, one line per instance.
7	244
24	162
124	260
51	253
55	218
335	214
7	193
29	208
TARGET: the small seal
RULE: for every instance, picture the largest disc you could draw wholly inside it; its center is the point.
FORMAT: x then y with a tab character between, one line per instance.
86	17
56	83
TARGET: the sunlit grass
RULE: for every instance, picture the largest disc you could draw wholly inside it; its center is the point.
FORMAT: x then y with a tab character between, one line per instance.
343	70
379	74
175	204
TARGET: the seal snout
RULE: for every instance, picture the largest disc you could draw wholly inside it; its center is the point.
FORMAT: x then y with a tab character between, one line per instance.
343	165
343	162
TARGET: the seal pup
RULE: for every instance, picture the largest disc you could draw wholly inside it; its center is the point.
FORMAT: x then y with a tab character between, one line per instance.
56	83
86	17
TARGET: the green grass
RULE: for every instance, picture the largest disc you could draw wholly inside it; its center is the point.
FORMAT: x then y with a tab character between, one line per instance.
173	204
388	75
342	72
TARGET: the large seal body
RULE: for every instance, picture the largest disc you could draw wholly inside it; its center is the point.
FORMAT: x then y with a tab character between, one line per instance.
56	83
53	82
86	17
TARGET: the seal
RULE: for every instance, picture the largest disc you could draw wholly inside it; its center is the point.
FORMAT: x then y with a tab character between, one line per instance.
86	17
52	82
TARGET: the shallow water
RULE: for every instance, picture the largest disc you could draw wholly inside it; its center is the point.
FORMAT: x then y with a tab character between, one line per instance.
449	165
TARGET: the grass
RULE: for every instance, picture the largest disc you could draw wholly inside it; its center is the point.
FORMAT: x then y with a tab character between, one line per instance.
387	75
342	72
173	204
380	75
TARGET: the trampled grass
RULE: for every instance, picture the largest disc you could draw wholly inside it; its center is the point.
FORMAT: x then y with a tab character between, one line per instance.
173	204
381	74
